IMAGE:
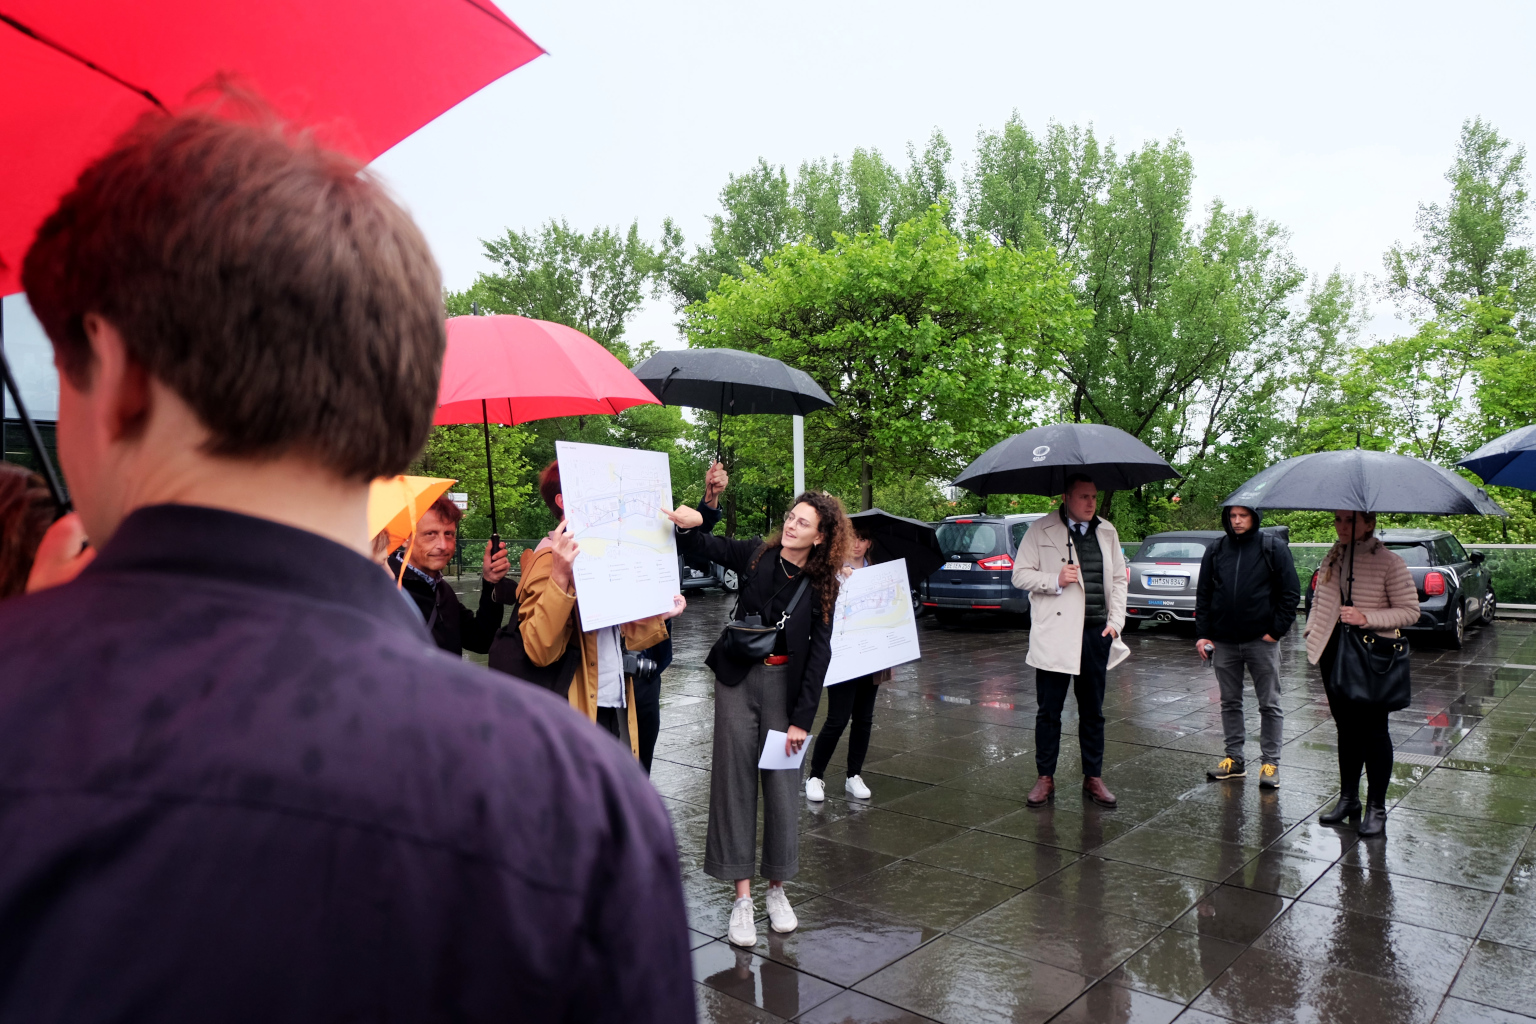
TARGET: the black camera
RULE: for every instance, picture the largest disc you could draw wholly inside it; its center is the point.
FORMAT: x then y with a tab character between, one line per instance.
638	665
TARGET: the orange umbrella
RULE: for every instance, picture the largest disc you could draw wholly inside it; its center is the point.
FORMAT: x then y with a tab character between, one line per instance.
397	503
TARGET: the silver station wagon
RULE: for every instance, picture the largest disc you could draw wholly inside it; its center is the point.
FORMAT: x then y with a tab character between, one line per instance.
1165	572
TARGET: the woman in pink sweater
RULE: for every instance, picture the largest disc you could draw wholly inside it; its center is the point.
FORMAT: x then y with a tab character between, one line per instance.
1384	601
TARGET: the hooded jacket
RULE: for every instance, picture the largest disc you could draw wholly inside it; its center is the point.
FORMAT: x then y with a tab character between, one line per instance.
1240	597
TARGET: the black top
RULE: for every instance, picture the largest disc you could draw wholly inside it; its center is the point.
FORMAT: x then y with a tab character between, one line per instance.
238	783
1090	560
1248	587
807	636
454	627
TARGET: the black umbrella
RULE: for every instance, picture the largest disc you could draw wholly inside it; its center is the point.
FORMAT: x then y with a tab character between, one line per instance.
1039	461
1364	481
900	537
730	383
1506	461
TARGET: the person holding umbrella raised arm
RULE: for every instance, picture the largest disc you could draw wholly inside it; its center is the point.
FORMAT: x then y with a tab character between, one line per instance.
789	584
1073	568
1361	582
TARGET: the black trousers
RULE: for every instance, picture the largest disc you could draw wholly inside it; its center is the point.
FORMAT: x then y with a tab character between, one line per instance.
1364	739
647	716
1051	694
853	700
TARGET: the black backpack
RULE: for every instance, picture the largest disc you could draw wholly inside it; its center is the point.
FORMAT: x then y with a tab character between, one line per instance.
510	656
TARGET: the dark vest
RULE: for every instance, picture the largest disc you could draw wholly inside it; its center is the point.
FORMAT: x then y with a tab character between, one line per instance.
1091	560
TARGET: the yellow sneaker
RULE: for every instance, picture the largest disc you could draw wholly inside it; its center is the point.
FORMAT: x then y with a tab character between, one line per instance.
1228	768
1269	776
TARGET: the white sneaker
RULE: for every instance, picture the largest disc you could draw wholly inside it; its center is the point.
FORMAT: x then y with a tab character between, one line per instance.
815	790
781	917
743	931
856	788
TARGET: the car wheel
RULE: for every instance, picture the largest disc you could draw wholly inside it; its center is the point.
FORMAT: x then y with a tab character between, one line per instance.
1456	635
1131	625
729	581
949	616
1490	606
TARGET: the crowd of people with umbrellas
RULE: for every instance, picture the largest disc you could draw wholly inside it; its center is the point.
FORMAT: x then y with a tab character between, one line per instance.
239	780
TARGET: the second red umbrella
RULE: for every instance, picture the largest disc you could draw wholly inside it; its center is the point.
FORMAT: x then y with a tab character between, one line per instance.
512	369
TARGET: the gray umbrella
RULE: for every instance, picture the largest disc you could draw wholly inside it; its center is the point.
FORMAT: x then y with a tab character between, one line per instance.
1039	461
1364	481
730	383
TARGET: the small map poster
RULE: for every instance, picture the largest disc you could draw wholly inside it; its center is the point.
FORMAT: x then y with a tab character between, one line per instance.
627	566
872	626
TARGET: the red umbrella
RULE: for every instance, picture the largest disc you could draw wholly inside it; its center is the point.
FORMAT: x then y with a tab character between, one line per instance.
512	369
364	73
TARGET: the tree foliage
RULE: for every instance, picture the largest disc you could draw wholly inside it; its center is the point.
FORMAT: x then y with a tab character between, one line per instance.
931	347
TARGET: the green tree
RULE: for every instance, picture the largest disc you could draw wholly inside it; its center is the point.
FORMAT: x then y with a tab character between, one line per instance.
1469	246
931	346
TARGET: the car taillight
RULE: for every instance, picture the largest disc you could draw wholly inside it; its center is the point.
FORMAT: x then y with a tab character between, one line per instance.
1434	583
1127	574
996	562
1313	584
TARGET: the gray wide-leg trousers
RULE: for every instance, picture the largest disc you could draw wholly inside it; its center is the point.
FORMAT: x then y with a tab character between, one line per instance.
1263	661
743	715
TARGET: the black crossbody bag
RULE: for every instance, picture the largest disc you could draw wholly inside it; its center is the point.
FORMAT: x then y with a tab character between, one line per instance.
1368	669
749	639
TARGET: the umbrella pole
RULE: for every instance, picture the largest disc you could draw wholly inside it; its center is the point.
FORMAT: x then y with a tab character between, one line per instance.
490	474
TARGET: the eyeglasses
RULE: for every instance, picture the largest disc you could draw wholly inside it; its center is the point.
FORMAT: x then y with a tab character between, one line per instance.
789	517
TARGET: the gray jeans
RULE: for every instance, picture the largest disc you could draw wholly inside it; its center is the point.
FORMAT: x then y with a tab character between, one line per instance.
1263	661
743	715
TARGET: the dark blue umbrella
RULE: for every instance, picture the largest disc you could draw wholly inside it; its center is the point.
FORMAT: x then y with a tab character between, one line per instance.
1039	461
1508	461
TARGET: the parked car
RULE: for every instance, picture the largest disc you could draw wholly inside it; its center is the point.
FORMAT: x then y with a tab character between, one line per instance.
704	574
1455	587
978	575
1165	572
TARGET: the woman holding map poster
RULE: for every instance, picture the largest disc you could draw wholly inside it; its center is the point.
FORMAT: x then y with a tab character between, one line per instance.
853	700
789	584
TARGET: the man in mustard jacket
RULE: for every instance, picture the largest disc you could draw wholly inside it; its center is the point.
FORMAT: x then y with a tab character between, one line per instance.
1071	564
549	619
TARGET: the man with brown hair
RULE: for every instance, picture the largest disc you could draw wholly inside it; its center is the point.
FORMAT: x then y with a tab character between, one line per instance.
454	627
239	781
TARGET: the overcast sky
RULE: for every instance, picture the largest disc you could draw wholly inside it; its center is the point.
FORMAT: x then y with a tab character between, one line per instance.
1334	119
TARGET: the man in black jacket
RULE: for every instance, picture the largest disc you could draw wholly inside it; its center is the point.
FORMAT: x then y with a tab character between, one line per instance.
454	627
1245	602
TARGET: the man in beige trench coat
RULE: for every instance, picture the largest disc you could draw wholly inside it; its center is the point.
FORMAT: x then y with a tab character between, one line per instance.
1071	565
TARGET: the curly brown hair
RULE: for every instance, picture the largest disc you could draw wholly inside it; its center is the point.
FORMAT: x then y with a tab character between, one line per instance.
825	565
26	512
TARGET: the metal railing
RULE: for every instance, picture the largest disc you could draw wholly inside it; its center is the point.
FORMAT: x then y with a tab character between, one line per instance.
1513	567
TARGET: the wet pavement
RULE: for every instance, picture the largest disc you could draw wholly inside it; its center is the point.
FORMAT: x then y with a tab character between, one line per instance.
944	898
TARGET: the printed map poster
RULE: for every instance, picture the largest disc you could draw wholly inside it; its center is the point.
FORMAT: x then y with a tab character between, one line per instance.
872	626
627	566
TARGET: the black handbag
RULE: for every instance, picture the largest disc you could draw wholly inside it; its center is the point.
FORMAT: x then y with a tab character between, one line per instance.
749	639
1370	670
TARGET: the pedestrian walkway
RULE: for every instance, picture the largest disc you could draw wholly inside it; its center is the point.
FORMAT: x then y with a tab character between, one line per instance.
944	898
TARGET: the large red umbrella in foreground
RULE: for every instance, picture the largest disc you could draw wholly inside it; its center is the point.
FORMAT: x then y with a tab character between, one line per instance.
363	74
512	369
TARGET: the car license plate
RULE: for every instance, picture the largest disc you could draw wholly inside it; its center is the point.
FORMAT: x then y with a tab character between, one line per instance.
957	566
1168	582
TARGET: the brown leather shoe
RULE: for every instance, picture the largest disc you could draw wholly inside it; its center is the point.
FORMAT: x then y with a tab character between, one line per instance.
1095	790
1045	789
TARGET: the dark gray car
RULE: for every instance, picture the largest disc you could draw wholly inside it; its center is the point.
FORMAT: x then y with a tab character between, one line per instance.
978	573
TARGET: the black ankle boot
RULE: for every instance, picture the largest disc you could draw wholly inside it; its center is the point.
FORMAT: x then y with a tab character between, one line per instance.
1374	823
1347	807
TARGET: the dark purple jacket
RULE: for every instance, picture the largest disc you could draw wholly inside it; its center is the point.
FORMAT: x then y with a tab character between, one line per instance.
239	783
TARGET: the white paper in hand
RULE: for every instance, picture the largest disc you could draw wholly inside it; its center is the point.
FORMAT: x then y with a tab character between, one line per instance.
773	752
